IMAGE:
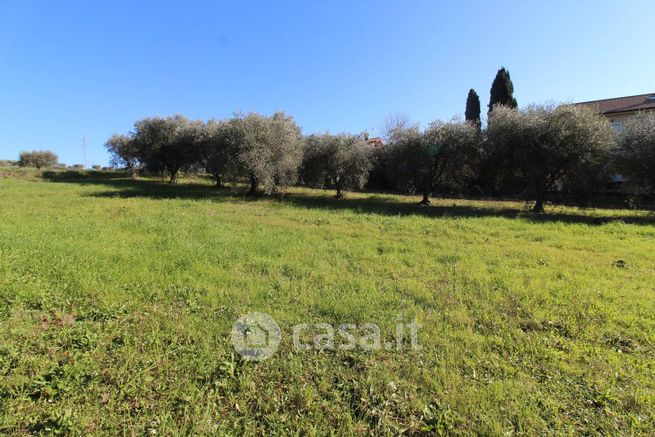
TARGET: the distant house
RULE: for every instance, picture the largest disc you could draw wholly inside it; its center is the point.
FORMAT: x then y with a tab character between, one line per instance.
620	109
375	141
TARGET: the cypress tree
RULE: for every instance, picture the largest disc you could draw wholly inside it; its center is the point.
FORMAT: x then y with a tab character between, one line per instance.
472	113
502	91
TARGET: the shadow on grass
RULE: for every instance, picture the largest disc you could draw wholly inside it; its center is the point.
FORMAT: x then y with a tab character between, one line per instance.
117	185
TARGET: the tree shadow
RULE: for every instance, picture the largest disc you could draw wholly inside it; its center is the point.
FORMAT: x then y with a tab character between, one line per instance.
385	205
116	185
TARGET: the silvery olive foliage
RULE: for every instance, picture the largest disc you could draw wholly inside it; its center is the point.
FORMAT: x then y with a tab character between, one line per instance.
454	147
216	145
636	153
124	153
166	144
38	159
405	158
444	154
342	161
265	151
532	151
543	148
268	150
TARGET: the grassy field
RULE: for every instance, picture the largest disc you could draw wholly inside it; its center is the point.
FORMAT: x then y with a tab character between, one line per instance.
117	299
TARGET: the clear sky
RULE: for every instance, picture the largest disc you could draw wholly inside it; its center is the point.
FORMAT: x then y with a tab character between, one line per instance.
74	69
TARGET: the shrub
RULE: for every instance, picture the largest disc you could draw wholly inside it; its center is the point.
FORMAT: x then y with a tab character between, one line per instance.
38	159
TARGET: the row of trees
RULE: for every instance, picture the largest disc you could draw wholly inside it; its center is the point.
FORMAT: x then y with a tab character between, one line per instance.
265	151
542	149
526	153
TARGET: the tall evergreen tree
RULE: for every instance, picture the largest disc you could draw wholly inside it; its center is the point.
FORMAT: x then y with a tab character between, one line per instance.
472	113
502	91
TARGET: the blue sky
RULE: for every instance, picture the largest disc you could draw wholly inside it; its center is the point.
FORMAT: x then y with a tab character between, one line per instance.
73	69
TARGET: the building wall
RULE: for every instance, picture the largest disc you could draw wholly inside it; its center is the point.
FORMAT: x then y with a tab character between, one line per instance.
618	120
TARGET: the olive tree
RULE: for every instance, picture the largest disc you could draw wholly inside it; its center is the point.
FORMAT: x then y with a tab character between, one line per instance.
124	153
542	148
404	156
38	159
582	157
508	134
217	146
636	153
166	143
342	160
443	154
267	150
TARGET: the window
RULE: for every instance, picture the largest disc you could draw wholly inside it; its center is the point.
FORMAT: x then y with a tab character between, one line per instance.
618	127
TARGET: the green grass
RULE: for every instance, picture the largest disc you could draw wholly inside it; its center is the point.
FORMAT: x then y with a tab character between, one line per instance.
117	299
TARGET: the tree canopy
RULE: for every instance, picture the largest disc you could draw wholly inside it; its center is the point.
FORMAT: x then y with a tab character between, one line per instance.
216	145
343	160
165	143
472	113
636	153
419	161
38	159
531	152
543	147
268	150
124	153
502	91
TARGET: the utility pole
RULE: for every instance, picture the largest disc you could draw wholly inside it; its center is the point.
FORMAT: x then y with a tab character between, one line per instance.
84	151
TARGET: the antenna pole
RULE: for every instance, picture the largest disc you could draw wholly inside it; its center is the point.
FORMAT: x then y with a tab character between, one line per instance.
84	150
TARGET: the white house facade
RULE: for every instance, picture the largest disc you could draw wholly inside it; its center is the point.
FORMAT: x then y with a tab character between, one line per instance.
620	109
